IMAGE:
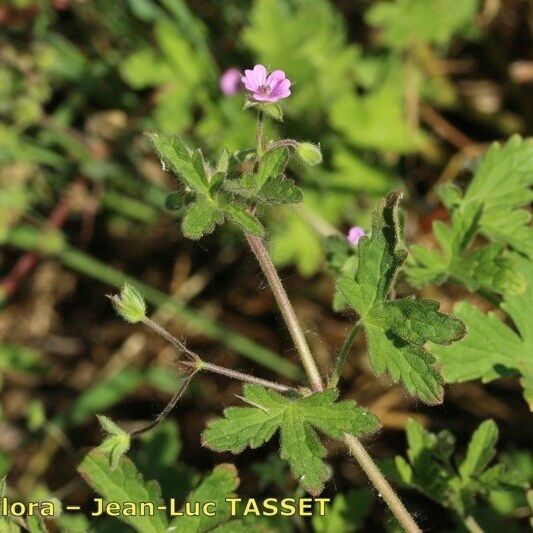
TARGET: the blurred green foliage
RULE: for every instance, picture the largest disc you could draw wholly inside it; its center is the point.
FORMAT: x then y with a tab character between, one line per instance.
80	82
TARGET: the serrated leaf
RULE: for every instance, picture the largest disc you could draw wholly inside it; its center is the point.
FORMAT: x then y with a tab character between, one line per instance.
215	487
481	450
175	154
280	190
407	22
492	349
502	183
200	218
123	485
396	331
491	206
297	421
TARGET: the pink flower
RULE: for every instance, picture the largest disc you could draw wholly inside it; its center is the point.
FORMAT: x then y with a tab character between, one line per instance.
230	81
355	234
265	88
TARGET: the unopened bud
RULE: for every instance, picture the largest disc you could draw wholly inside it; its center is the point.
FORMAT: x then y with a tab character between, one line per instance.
130	304
309	153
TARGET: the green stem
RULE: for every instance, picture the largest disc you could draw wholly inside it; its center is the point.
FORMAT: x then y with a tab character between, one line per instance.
285	306
27	238
343	354
240	376
259	132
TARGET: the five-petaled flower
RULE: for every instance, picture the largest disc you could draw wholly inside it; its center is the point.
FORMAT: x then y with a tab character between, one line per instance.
263	88
355	234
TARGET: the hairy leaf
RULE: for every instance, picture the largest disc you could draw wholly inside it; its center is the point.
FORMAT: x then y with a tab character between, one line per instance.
492	349
175	154
297	421
396	331
124	484
200	218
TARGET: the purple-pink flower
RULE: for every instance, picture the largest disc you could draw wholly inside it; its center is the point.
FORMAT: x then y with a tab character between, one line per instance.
355	234
266	88
230	81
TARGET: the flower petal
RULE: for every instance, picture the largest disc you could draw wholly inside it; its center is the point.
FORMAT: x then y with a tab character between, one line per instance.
281	89
249	81
260	75
258	97
274	77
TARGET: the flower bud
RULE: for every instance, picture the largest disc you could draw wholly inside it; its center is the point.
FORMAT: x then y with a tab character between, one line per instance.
355	234
130	304
309	153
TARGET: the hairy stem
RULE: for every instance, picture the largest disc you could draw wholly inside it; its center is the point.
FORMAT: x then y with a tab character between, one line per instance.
185	380
381	484
343	354
354	445
240	376
258	247
288	143
160	330
196	363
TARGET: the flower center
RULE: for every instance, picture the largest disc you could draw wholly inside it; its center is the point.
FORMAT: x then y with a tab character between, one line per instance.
264	89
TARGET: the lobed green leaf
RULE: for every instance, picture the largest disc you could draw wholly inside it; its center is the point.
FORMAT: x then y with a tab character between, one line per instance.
296	420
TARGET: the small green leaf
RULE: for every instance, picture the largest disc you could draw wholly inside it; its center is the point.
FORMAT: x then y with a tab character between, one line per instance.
244	220
215	487
123	485
396	331
176	155
177	200
271	165
201	218
269	412
481	450
223	161
432	469
280	191
109	426
116	444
